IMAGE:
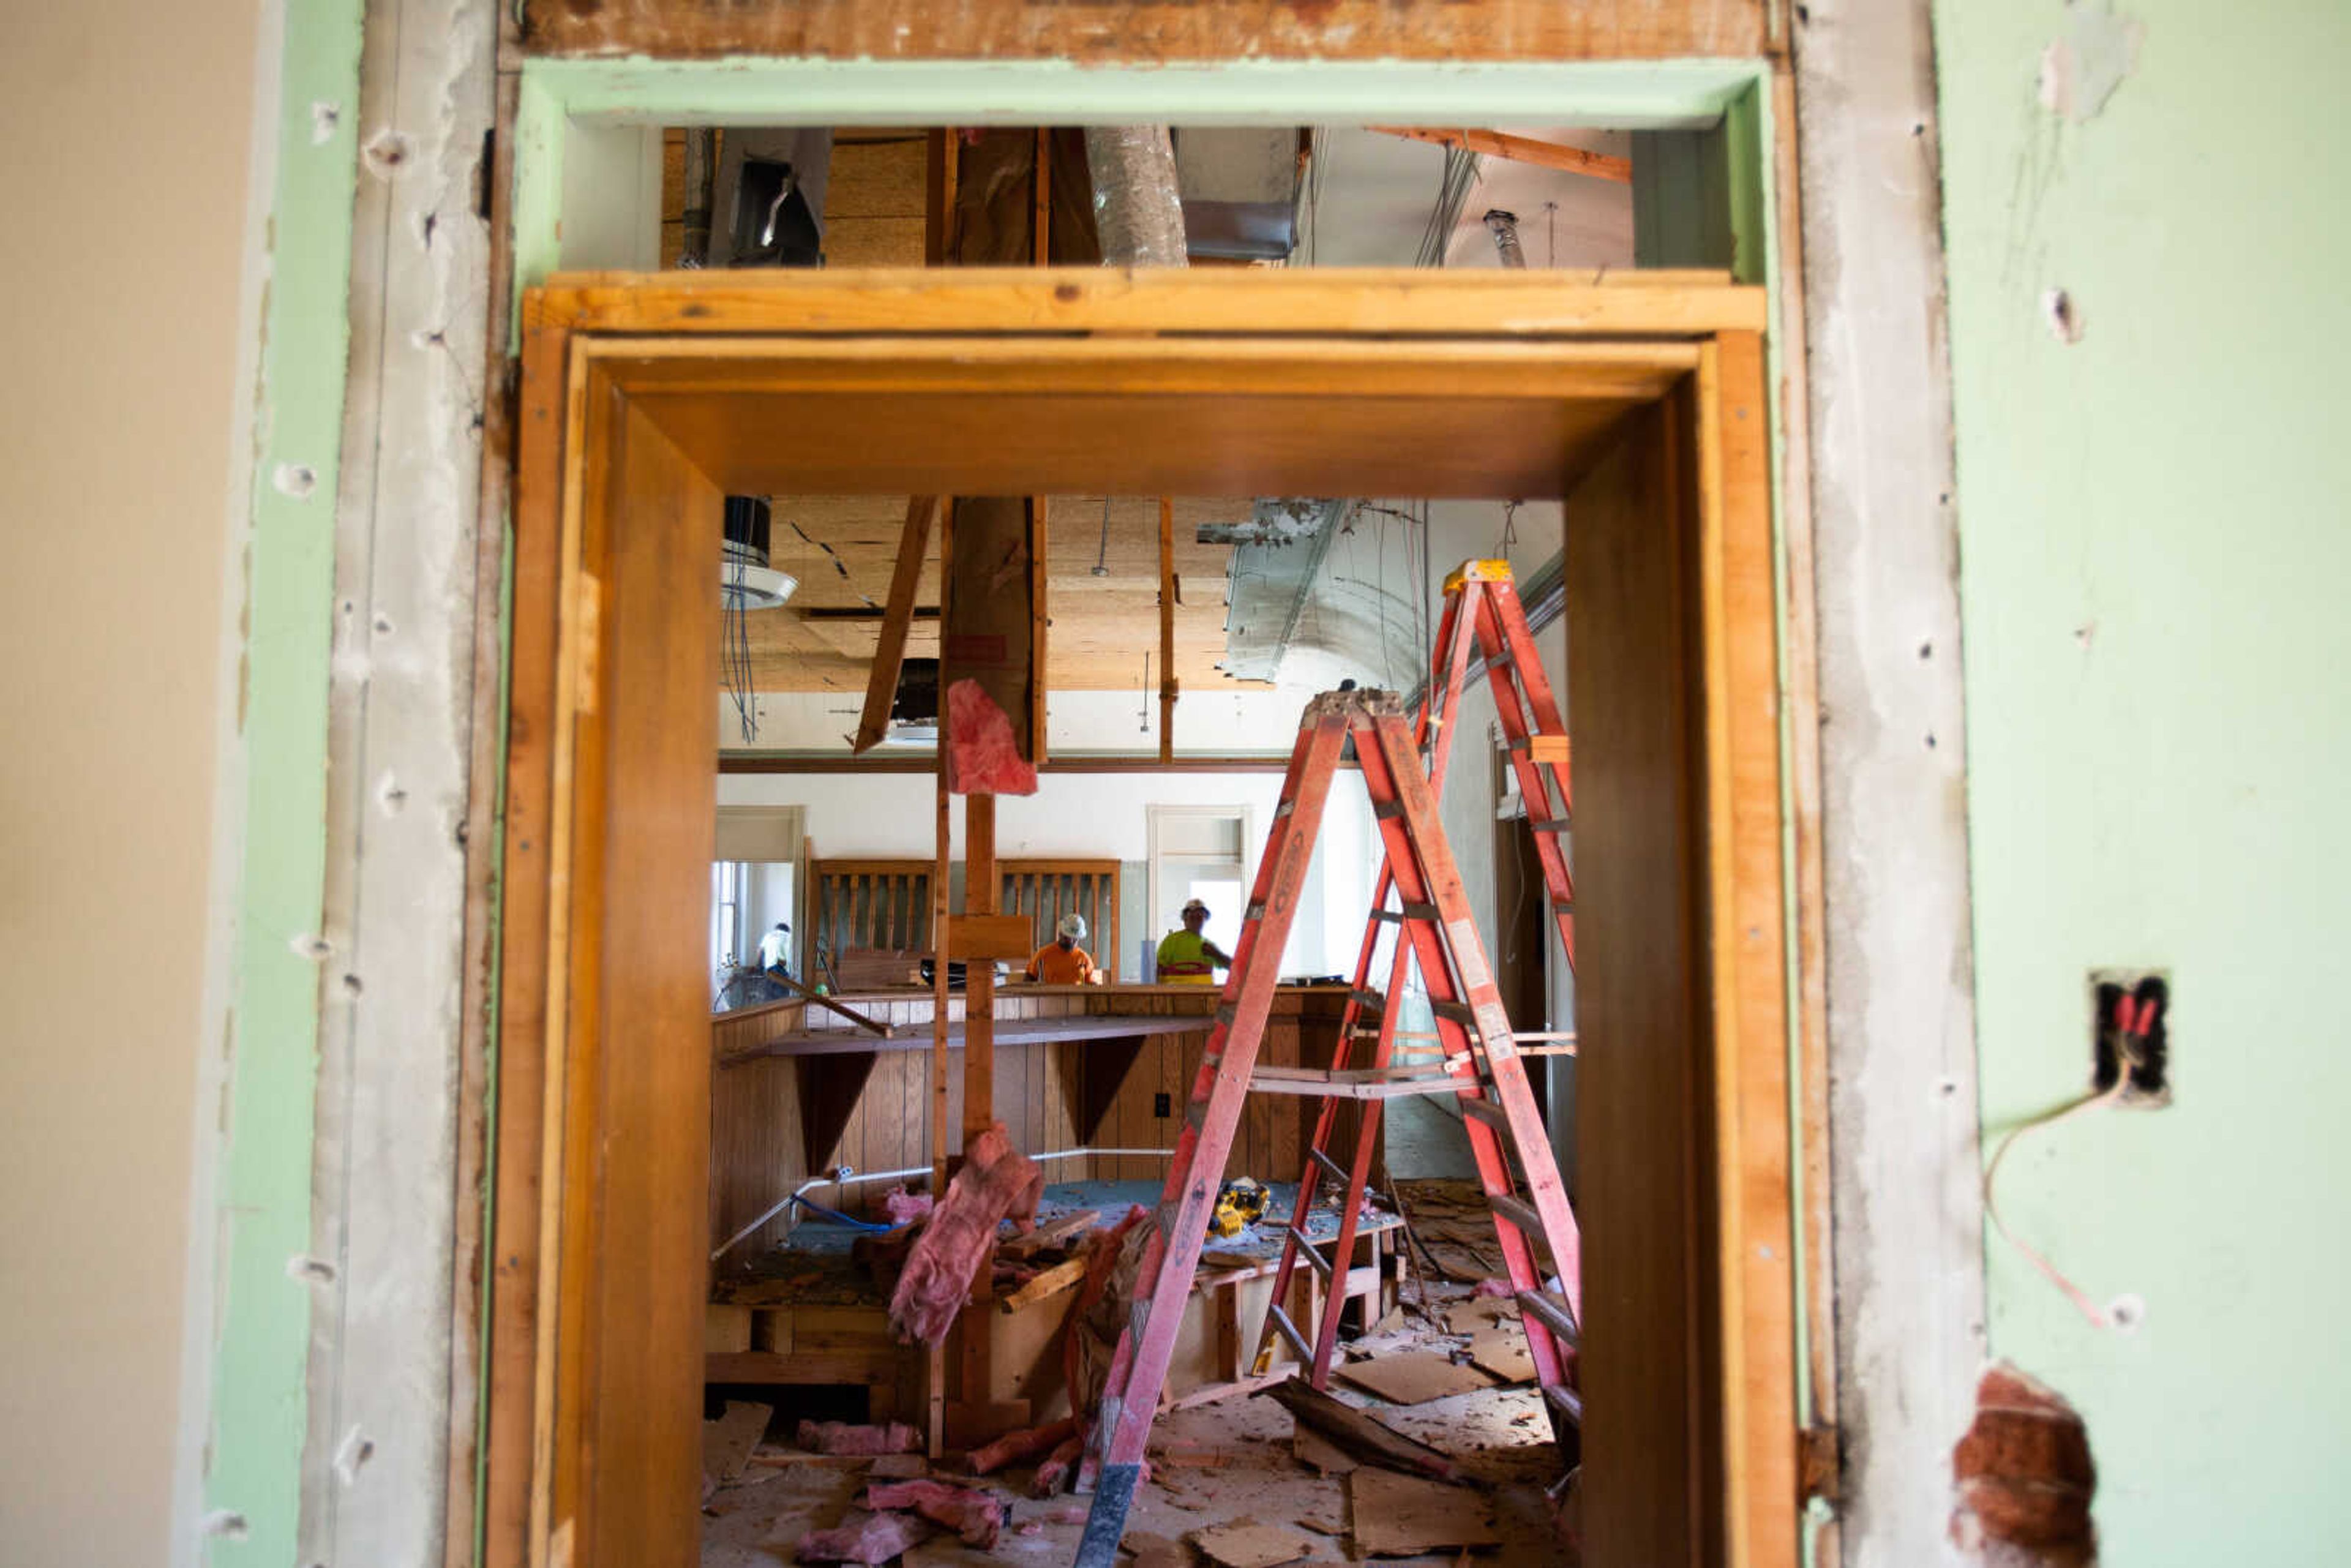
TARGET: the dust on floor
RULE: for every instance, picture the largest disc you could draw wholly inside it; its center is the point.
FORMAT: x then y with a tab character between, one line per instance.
1219	1471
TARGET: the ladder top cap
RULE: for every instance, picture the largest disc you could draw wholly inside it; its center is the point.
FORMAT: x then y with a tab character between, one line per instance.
1478	571
1364	702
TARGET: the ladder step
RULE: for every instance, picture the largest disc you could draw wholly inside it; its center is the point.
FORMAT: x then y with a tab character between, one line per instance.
1519	1212
1457	1012
1338	1172
1352	1082
1289	1330
1487	1110
1371	1000
1551	1310
1409	911
1549	825
1566	1401
1306	1250
1388	810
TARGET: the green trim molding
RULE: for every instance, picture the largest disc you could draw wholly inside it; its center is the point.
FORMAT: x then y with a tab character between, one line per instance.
258	1416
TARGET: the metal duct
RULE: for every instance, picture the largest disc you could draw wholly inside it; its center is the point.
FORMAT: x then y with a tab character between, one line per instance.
1504	227
1138	208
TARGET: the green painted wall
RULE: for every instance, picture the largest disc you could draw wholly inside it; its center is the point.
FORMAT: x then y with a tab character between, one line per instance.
2155	549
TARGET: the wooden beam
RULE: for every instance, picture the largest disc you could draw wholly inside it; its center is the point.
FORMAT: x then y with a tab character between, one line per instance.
923	762
889	654
935	1366
1167	628
1520	150
871	1025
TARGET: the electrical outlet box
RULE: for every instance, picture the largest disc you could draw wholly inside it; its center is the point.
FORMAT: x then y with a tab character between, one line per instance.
1163	1104
2130	1035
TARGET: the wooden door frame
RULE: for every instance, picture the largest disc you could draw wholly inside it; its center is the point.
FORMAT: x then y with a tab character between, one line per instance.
583	662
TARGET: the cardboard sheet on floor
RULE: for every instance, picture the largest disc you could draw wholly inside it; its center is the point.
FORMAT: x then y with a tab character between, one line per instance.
1479	1314
727	1442
1155	1550
1246	1543
1403	1516
1312	1449
1503	1352
1412	1379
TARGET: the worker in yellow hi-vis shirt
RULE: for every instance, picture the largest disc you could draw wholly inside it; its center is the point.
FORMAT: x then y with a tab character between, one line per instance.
1188	959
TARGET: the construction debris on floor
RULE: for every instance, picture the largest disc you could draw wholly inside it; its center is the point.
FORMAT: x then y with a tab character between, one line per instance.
1445	1464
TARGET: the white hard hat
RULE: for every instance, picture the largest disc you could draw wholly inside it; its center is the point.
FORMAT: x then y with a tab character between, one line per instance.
1072	926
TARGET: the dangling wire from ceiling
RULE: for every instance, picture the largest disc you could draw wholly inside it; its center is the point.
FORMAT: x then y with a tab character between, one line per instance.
1101	552
1452	187
735	655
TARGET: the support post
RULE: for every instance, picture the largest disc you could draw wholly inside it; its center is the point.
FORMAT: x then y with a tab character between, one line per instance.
890	649
1167	628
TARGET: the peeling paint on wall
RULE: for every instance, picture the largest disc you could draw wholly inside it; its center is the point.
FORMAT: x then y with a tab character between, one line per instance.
2085	63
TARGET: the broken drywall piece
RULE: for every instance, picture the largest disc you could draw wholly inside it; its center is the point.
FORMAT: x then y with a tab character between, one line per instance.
1479	1313
1403	1516
1155	1550
1414	1379
2084	64
2025	1477
727	1442
1246	1543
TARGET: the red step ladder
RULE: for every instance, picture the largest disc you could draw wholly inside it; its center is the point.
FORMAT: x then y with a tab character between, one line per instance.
1479	1065
1482	612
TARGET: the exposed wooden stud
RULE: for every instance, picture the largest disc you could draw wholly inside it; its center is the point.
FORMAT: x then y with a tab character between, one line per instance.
935	1369
905	578
1520	150
1167	628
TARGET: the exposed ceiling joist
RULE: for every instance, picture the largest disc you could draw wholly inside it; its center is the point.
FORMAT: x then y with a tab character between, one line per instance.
1520	150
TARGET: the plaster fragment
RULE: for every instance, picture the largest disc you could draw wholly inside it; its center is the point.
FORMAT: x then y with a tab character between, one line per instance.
352	1453
2085	63
386	153
325	117
296	479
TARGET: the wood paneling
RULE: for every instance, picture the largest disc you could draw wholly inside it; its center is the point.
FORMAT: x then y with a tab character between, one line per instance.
1153	32
1648	1444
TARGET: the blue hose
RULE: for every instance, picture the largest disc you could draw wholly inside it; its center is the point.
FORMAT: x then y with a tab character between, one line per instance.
840	1218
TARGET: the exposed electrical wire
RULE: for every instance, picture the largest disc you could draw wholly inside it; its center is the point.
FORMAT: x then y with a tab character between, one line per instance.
735	655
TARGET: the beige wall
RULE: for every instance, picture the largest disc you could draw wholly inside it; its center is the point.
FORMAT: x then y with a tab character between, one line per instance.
124	195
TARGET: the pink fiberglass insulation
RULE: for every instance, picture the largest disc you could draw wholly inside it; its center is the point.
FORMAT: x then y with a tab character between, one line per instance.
841	1438
869	1538
983	754
901	1206
976	1516
995	1183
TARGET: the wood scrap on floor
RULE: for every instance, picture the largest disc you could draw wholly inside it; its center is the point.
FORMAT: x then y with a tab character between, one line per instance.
1414	1378
727	1442
1359	1433
1403	1516
1153	1551
1246	1543
1319	1453
995	1183
1064	1231
1066	1275
1478	1313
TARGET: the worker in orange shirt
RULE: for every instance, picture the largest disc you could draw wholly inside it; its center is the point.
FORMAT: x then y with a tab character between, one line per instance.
1062	962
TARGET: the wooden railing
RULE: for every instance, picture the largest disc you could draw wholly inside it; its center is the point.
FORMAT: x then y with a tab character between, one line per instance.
1047	889
872	916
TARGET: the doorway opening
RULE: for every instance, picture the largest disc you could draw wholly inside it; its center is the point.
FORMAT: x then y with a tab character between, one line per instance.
1639	402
